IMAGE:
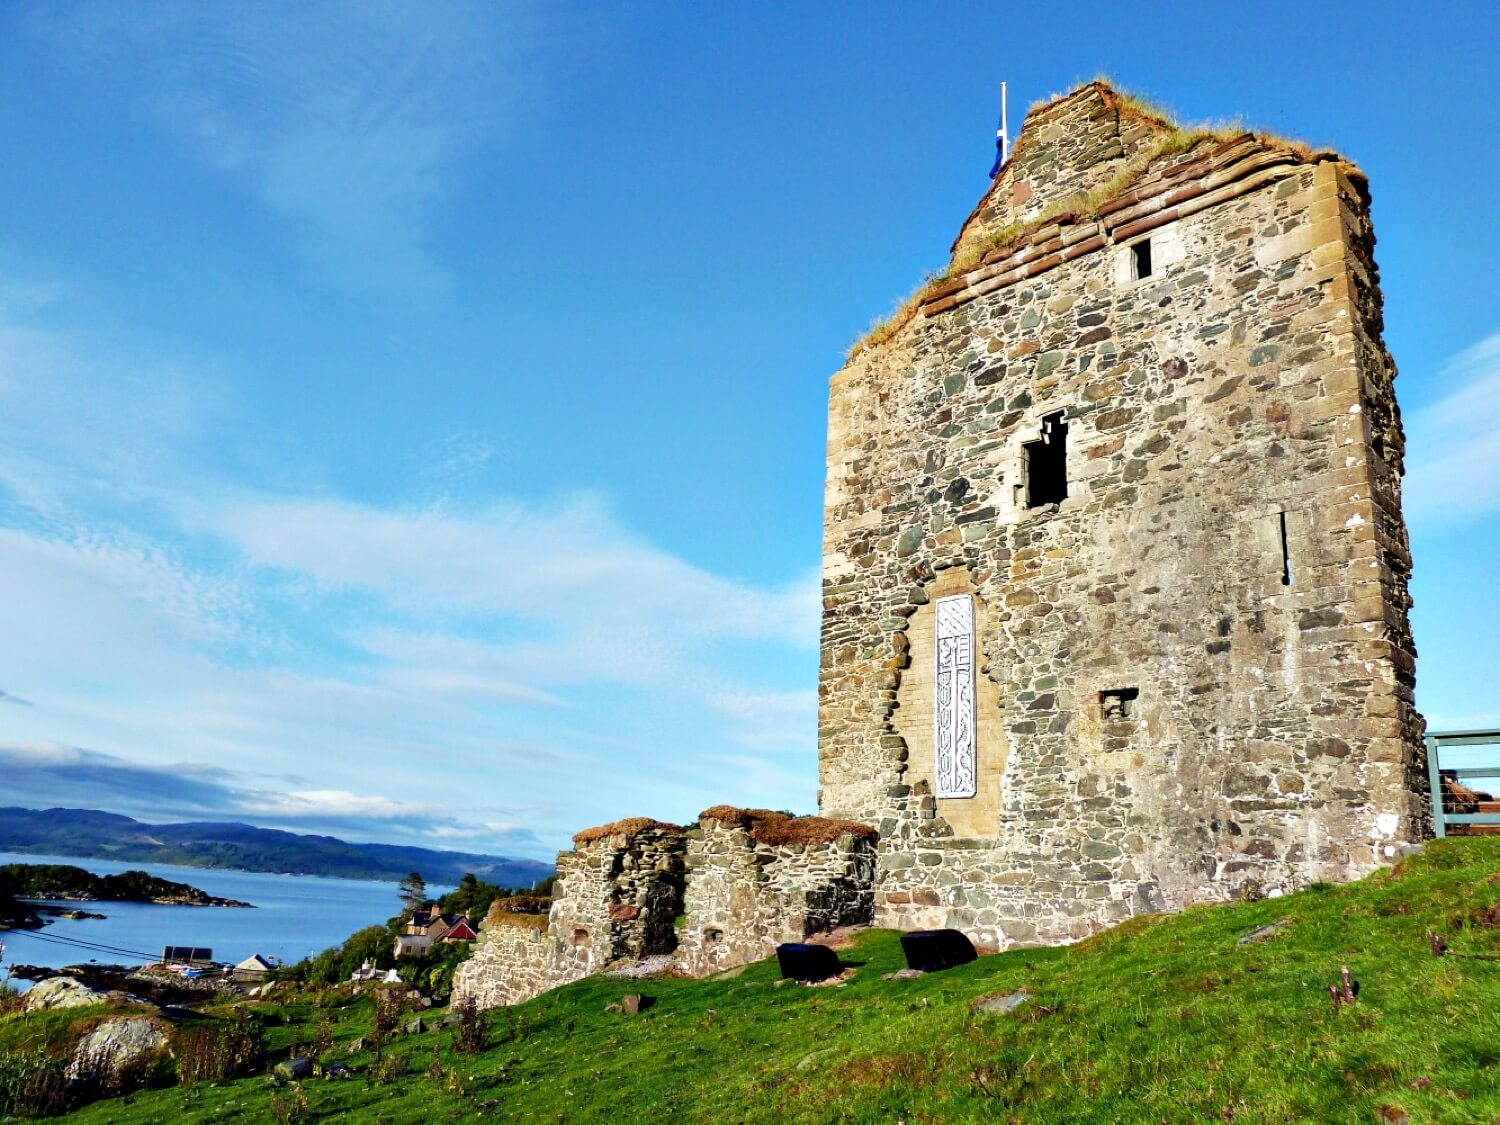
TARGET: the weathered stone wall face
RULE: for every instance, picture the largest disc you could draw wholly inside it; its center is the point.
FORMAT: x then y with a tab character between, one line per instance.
615	899
512	961
1071	146
744	898
1239	389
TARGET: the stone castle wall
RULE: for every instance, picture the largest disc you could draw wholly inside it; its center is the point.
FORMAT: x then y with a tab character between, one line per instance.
512	962
741	883
618	892
749	888
1230	550
1072	145
615	900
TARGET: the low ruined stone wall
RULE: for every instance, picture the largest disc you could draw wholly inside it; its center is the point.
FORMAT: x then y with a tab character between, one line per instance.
512	962
618	892
615	899
757	879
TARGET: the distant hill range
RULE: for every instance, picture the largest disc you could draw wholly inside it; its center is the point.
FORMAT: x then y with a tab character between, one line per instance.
92	834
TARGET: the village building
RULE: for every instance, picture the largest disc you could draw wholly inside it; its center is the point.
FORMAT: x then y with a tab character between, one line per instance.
368	972
253	969
427	928
187	956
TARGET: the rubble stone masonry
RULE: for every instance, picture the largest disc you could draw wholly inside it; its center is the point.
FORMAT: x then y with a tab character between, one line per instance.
757	879
615	900
1195	670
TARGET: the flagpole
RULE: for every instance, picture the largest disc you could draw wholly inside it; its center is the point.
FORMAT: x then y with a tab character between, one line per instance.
1004	127
1002	136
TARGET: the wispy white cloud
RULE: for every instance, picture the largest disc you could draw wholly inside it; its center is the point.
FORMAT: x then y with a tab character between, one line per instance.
92	417
454	461
769	720
347	120
1455	442
565	560
340	803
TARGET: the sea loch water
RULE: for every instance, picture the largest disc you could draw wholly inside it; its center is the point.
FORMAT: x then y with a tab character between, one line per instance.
294	915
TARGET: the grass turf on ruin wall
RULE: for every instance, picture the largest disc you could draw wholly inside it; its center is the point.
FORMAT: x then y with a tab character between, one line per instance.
627	830
1165	1018
777	829
1176	140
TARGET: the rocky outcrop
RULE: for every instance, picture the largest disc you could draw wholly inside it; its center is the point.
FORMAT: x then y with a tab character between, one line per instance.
62	992
66	883
116	1053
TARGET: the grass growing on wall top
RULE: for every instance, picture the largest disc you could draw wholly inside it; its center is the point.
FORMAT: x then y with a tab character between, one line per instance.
1163	1018
1177	139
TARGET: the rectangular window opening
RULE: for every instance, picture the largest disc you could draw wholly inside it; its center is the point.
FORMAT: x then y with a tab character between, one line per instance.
1286	555
1118	704
1047	463
1140	259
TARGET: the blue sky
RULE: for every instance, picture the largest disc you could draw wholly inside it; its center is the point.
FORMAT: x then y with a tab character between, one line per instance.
412	415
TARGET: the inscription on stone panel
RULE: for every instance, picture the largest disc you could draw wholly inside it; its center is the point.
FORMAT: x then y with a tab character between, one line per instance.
953	712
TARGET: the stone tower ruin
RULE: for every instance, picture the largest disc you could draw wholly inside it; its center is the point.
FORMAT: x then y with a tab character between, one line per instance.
1115	574
1115	583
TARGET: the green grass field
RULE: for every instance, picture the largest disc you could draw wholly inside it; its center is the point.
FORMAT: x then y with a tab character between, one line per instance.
1162	1019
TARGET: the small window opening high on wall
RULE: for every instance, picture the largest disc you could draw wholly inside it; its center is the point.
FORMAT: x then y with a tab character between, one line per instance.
1140	259
1118	704
1047	463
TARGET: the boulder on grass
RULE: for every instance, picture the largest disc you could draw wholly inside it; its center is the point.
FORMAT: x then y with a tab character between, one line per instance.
62	992
295	1069
116	1049
807	963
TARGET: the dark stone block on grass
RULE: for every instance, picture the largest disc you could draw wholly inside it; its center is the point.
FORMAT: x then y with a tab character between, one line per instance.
295	1069
931	951
807	963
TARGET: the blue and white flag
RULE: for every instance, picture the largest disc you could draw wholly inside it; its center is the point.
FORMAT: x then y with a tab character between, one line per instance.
999	149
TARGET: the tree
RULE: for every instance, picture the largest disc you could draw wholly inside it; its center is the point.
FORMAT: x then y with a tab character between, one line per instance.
413	892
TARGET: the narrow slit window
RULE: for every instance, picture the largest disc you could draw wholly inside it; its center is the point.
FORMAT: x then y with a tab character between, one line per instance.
1140	259
1047	463
1286	553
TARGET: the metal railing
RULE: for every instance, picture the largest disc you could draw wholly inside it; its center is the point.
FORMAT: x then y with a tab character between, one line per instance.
1437	742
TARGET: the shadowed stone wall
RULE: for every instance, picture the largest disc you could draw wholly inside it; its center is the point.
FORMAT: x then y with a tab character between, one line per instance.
1230	554
757	879
615	899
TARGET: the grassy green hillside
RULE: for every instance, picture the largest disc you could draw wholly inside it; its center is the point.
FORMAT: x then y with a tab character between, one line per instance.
1162	1019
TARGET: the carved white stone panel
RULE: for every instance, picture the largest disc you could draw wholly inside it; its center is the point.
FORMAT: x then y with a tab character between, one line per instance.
953	710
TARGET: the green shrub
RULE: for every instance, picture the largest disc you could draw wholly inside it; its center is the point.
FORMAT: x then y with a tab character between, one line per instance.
32	1083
